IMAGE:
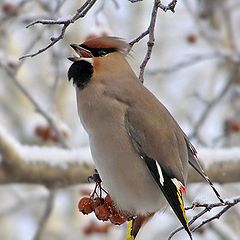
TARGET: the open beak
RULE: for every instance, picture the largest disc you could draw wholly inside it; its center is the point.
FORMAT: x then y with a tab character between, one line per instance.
81	52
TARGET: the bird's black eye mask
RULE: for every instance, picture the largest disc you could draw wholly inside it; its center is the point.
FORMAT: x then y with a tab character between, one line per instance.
99	52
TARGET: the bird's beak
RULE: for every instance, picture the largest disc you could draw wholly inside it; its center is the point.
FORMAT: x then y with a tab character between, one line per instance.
81	52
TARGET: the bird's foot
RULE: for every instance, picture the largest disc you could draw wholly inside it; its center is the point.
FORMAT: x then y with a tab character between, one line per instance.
95	177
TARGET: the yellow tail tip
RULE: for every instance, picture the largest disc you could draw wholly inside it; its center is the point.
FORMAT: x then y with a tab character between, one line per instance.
129	235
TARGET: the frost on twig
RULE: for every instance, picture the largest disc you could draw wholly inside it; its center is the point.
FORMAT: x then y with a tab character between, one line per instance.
151	40
49	166
170	7
225	206
81	12
150	32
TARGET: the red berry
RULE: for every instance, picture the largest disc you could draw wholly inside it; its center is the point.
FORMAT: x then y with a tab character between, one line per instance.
192	38
96	202
108	200
11	9
117	219
85	205
102	212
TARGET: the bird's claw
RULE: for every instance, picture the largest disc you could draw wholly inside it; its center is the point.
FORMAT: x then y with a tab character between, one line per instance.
95	177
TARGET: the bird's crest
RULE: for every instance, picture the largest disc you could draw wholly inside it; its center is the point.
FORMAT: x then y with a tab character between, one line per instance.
107	43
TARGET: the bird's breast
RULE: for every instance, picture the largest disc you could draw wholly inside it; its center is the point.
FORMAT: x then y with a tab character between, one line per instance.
124	173
95	109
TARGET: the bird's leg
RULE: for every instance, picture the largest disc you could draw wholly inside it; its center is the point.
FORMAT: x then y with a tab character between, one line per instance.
98	181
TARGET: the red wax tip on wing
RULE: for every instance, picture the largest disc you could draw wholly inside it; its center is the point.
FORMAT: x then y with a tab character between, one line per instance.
183	189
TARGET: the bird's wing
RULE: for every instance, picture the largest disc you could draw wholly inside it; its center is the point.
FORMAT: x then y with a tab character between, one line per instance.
192	158
160	148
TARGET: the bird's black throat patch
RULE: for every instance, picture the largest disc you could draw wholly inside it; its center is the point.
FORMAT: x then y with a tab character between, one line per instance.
81	73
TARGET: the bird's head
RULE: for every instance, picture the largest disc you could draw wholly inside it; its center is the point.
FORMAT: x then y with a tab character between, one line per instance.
92	53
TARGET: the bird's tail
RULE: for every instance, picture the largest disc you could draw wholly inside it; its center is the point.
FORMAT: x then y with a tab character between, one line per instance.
192	158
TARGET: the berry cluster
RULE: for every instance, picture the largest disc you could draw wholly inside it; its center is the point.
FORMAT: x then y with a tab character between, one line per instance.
103	207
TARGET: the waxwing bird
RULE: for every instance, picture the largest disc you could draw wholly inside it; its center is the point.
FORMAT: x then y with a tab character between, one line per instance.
140	152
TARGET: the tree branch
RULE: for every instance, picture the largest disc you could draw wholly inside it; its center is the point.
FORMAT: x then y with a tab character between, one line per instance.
227	204
52	166
134	1
171	6
37	106
140	37
215	101
81	12
150	31
151	39
207	208
46	215
195	59
41	165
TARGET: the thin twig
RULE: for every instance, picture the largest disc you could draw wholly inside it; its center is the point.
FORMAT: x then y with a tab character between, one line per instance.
140	37
207	208
21	202
38	36
150	32
134	1
195	59
37	106
214	102
151	40
217	216
12	74
81	12
47	213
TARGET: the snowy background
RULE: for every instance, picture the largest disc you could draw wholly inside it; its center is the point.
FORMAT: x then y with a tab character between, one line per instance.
193	70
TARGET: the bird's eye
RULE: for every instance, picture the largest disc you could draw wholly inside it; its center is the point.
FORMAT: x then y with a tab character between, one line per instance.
102	52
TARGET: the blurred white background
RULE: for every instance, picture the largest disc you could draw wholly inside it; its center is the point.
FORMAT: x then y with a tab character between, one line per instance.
193	70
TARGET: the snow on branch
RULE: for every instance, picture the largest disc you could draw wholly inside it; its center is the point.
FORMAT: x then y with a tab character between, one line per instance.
170	7
52	166
221	165
42	165
58	167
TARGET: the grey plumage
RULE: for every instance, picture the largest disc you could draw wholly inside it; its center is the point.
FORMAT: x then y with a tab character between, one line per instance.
140	151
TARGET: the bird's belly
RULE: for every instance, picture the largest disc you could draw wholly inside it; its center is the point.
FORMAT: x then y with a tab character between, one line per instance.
125	175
